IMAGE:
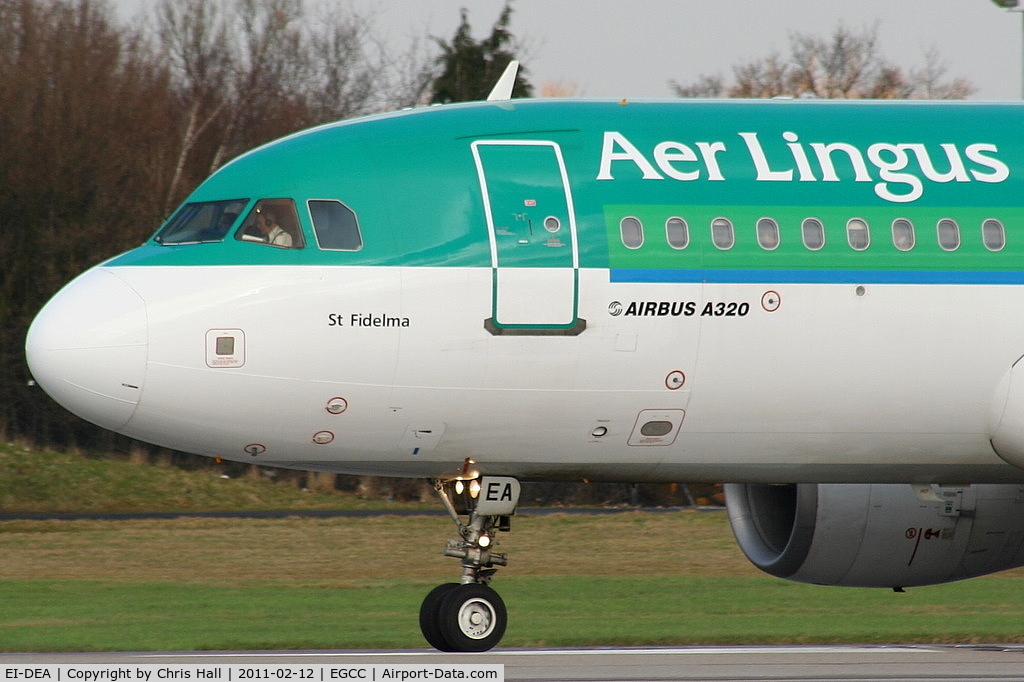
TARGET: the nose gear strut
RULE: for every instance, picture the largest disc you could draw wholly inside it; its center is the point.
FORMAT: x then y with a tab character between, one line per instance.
470	616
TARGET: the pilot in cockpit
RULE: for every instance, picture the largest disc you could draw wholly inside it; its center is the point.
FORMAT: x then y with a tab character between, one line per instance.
266	224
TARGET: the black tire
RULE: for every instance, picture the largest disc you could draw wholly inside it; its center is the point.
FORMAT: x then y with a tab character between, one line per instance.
472	618
430	611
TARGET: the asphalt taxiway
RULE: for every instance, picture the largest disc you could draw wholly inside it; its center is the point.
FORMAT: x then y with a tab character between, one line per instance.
741	663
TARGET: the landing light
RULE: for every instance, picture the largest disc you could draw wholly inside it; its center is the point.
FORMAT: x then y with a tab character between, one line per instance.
459	487
474	488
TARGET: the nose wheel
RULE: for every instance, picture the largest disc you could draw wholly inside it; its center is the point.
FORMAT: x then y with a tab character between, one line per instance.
470	616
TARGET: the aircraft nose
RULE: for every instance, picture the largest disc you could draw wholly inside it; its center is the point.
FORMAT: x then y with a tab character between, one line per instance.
87	348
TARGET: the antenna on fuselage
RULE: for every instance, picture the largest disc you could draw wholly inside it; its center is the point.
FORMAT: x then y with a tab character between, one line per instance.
502	91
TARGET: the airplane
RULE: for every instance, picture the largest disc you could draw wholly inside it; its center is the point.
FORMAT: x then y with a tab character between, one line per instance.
817	302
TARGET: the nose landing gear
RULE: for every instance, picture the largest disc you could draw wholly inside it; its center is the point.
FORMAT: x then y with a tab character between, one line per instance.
470	615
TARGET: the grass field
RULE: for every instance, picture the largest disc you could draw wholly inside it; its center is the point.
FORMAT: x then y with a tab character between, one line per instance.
43	481
629	579
626	579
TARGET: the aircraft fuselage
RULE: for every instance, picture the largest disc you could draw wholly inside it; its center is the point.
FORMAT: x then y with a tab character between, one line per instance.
650	291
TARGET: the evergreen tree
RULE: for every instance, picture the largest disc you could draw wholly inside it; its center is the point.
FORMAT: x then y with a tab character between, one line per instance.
470	68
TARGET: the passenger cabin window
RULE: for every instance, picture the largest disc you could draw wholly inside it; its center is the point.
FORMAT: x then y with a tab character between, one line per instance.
335	225
632	232
273	222
677	232
993	234
949	234
903	234
813	234
722	233
857	234
205	221
767	234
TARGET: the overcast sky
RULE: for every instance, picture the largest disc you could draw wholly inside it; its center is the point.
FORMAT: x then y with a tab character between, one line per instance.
619	48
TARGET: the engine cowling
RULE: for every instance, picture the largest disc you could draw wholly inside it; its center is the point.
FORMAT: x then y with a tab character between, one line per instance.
878	535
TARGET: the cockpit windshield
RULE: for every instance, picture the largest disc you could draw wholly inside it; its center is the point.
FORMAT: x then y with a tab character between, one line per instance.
205	221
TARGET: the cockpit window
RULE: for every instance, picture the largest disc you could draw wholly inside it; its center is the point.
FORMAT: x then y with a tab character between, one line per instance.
205	221
273	222
335	225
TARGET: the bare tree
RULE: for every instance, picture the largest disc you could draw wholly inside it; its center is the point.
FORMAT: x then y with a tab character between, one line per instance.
354	71
707	85
194	38
248	71
105	127
930	85
83	107
762	79
345	70
846	65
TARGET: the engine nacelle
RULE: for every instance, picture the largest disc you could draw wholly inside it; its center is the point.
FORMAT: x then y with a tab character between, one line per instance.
875	535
